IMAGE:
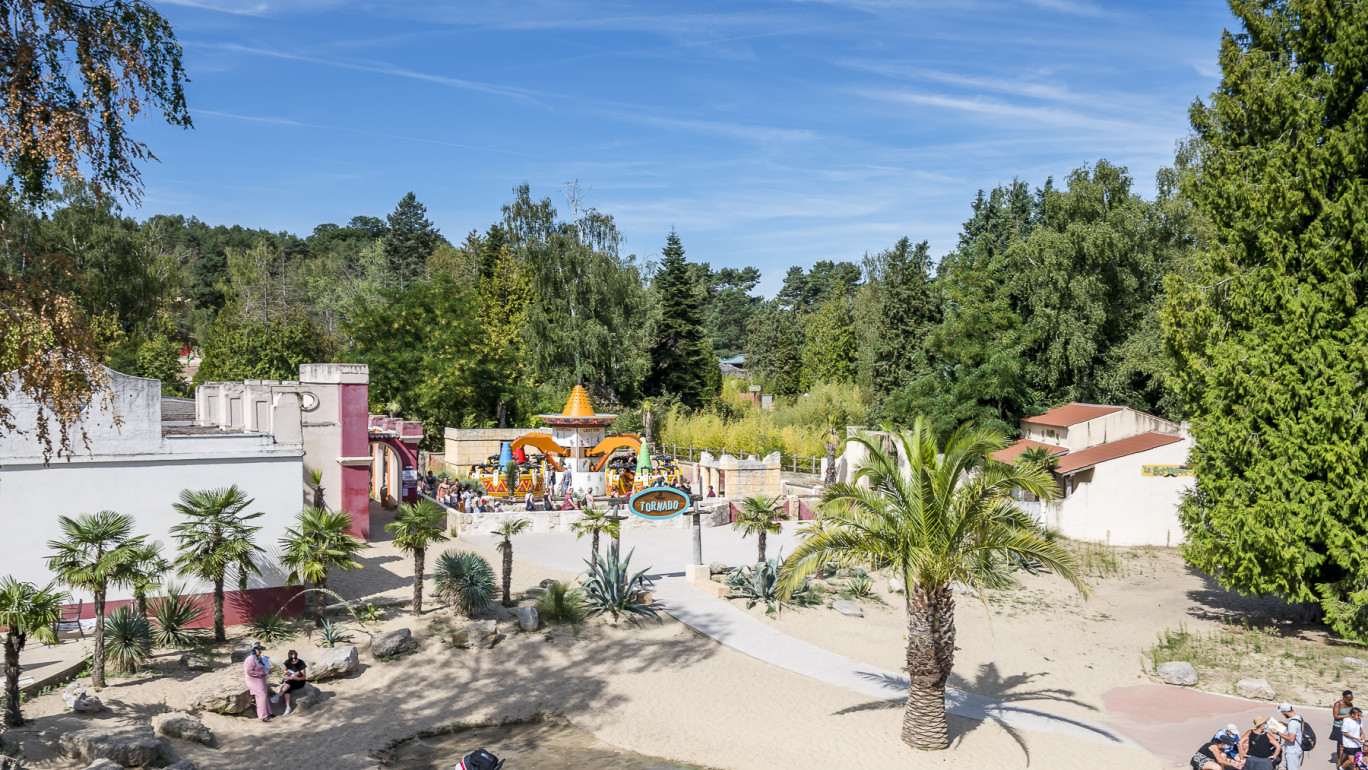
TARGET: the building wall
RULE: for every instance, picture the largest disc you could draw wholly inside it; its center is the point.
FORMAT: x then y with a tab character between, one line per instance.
1100	430
1115	503
465	447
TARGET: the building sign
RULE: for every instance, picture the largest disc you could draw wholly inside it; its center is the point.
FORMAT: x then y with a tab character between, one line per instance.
1166	470
659	503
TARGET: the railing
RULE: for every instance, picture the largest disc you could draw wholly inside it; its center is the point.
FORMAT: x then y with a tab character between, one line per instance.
792	463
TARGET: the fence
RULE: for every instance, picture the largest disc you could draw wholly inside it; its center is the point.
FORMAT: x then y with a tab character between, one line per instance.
792	463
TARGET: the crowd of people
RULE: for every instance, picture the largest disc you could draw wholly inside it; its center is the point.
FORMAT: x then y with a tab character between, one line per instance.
1284	744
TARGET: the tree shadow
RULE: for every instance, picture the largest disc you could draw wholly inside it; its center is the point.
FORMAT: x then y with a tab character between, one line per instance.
1271	614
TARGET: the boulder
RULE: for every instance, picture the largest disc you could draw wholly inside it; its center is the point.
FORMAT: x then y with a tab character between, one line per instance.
224	693
1359	662
720	578
103	764
393	643
534	593
184	764
849	608
331	663
129	746
1178	672
482	633
179	724
528	619
718	568
824	587
194	661
895	585
77	699
1258	689
304	699
546	582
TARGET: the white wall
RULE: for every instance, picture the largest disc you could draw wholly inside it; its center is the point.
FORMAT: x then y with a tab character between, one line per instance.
1114	503
1114	427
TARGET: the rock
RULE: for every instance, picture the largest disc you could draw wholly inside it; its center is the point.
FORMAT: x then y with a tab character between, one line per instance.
843	572
534	593
241	653
304	699
961	588
1178	672
391	644
719	578
546	582
528	619
179	724
197	662
1360	662
184	764
483	633
895	585
847	608
331	663
1255	688
718	568
102	764
129	746
77	699
10	763
225	693
824	587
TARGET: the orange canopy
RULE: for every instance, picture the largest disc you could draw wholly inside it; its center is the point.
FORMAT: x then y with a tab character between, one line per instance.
607	446
545	443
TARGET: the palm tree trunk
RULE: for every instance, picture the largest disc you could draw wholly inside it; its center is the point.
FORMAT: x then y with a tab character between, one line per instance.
418	558
507	570
762	547
13	717
930	657
320	602
220	635
140	602
595	542
97	659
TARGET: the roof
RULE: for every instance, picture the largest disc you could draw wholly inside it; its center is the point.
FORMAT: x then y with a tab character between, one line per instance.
1010	454
1077	461
1072	413
736	360
578	411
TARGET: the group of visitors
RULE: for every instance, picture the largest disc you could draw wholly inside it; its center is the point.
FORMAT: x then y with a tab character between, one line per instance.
465	498
257	669
1282	744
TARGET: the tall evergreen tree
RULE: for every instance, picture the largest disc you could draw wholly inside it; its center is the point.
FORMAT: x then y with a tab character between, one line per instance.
829	347
409	241
1271	332
900	279
775	348
682	360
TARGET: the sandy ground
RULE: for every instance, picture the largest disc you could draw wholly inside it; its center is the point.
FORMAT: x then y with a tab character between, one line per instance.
659	690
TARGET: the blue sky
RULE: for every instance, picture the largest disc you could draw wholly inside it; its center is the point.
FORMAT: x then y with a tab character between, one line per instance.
766	133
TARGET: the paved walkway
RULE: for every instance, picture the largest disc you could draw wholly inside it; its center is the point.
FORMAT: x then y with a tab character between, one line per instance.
734	628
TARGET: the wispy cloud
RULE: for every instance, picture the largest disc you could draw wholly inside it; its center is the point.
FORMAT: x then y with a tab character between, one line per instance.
299	124
993	108
744	131
237	9
1072	7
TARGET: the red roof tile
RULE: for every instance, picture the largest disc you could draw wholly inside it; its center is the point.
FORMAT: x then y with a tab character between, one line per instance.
1010	453
1113	449
1072	414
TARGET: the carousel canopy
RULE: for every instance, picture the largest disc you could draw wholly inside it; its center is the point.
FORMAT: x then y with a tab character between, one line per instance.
578	411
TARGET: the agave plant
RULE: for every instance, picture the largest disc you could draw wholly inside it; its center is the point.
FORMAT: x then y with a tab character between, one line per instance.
760	583
270	627
173	616
861	586
128	640
562	602
333	634
465	580
611	587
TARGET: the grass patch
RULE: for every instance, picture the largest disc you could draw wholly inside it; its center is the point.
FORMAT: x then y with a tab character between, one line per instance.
1225	655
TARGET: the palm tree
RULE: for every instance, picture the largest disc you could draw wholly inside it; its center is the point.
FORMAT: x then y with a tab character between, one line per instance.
594	523
415	527
508	530
758	517
949	519
1043	457
216	541
25	611
146	567
95	554
322	542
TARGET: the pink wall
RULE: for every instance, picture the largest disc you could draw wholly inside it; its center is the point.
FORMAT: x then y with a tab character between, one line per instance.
354	419
239	607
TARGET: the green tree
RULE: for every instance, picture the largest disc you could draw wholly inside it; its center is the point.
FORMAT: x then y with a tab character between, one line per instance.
415	527
901	313
726	305
759	516
681	355
507	531
1270	332
216	541
239	350
949	519
26	612
595	523
94	554
320	543
829	344
409	240
775	352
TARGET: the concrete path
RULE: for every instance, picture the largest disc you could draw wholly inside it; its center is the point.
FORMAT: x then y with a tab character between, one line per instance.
730	626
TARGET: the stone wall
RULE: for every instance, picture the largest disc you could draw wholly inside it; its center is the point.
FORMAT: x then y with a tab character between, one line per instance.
465	447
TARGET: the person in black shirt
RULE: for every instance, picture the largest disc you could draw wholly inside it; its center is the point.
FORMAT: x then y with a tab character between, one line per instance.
295	679
1212	756
1260	750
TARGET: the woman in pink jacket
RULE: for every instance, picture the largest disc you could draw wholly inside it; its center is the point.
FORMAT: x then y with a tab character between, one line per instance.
255	669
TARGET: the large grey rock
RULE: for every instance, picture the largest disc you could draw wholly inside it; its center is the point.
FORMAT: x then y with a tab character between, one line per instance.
224	693
241	653
103	764
197	662
895	585
718	568
846	607
77	699
1359	662
179	724
304	699
1258	689
393	643
528	619
129	746
482	633
184	764
332	663
1178	672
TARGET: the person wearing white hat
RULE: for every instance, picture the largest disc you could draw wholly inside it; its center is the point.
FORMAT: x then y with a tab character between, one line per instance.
1292	737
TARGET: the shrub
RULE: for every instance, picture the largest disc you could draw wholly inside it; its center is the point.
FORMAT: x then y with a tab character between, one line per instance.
562	603
465	580
270	627
760	583
862	586
612	588
333	634
173	615
128	640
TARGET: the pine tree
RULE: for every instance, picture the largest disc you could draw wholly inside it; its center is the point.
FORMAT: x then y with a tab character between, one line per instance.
409	242
682	360
900	278
829	344
1271	333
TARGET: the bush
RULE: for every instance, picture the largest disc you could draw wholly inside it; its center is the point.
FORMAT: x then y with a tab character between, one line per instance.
333	634
612	588
760	583
562	603
173	615
861	586
128	640
270	627
465	580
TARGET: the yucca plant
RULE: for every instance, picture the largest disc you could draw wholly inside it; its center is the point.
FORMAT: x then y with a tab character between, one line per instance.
128	640
862	586
562	602
333	634
611	587
172	617
465	580
760	583
270	627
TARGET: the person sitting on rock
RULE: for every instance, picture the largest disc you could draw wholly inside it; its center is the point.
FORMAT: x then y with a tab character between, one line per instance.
295	679
1212	756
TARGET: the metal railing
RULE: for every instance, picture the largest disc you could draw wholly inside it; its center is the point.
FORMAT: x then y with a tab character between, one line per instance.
792	463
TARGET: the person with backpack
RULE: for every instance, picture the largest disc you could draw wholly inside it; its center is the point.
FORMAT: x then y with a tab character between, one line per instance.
1295	738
